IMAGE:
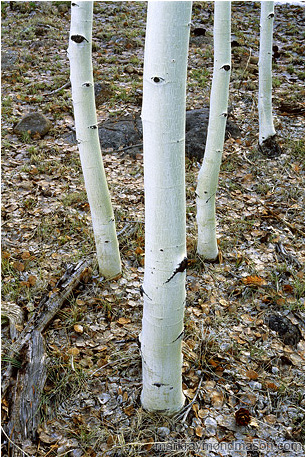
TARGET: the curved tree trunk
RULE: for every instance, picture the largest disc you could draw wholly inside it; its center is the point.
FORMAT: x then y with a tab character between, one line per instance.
88	140
163	117
209	172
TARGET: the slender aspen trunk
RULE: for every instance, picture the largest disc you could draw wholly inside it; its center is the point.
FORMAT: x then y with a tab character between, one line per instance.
209	172
81	76
267	135
163	117
266	127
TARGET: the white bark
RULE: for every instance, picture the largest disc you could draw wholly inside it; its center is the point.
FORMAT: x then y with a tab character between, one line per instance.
266	127
209	172
163	117
81	76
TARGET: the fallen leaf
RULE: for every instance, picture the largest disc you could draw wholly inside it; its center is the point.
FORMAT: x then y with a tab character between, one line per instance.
123	321
254	280
252	375
271	385
129	410
78	328
25	255
199	431
217	399
149	443
32	280
288	288
74	351
18	266
5	255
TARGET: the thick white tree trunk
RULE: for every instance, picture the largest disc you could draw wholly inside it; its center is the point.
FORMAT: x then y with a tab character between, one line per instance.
163	117
81	76
266	127
209	172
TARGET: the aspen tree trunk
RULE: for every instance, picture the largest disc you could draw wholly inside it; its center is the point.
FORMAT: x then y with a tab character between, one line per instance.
209	172
163	117
81	76
267	141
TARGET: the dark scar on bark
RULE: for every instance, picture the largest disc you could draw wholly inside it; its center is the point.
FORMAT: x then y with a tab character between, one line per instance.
142	292
182	266
180	335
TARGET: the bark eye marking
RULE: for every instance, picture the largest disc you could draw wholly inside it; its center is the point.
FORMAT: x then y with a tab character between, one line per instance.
226	67
86	84
157	79
271	15
92	127
78	38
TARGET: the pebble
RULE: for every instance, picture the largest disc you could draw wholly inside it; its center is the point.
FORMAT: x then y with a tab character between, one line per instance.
163	431
209	421
255	385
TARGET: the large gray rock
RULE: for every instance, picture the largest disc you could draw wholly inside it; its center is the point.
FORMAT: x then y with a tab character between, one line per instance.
196	132
33	123
126	132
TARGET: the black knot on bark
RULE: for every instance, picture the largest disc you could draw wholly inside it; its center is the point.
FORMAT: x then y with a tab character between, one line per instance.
226	67
78	38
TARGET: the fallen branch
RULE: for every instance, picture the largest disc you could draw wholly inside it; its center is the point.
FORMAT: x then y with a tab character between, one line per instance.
65	86
185	411
27	385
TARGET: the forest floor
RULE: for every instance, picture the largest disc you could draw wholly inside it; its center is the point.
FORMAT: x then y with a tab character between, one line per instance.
244	319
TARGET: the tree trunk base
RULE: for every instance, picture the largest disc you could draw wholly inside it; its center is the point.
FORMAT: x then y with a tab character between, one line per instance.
270	147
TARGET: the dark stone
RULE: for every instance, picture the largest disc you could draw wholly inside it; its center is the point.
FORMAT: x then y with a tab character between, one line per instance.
8	59
196	132
103	92
126	132
288	332
199	31
270	147
34	123
121	133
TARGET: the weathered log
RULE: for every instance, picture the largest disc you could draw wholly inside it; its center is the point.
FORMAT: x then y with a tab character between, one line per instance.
27	384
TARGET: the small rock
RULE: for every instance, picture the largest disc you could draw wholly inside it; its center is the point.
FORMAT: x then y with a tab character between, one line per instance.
34	123
8	59
103	398
103	92
130	69
255	385
163	431
63	8
77	452
65	445
227	422
289	333
209	421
